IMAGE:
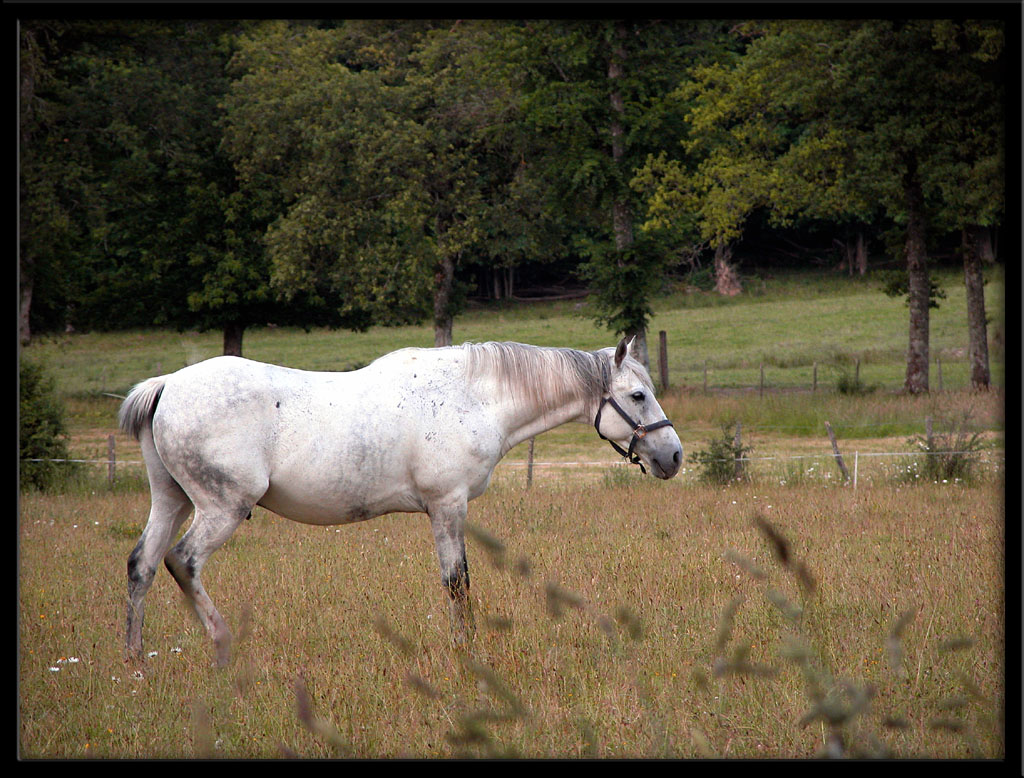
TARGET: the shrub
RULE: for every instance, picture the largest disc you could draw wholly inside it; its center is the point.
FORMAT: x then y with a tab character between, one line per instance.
952	455
722	461
42	431
850	384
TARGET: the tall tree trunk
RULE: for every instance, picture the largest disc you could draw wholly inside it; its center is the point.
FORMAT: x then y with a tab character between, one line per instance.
977	327
622	217
862	255
986	245
24	328
918	284
727	282
622	221
444	278
233	339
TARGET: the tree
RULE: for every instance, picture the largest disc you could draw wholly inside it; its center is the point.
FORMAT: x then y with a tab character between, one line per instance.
823	119
122	163
594	92
53	193
378	138
969	170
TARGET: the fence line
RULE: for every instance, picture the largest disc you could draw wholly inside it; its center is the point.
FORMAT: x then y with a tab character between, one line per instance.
111	461
516	463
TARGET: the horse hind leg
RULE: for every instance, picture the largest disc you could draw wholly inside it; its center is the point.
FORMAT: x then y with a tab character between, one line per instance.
169	508
209	531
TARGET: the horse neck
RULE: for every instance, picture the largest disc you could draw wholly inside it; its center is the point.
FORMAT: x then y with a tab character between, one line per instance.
523	422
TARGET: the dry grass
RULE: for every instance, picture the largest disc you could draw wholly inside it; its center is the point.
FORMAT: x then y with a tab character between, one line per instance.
617	617
600	629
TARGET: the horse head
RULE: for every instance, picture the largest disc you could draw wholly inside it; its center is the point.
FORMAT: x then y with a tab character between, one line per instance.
637	428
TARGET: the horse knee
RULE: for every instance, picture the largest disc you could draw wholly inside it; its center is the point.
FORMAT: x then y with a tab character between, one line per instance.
140	574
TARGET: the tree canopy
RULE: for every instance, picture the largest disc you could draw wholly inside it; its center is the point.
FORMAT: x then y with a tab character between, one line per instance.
223	174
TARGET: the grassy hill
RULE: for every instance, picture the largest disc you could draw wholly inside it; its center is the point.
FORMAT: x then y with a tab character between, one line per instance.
787	323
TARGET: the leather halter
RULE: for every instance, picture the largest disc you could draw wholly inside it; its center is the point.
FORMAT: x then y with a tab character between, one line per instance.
639	431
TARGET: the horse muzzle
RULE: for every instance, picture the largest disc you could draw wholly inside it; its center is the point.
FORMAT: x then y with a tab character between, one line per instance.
665	466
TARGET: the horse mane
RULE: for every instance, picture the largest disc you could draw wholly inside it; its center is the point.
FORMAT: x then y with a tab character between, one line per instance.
537	375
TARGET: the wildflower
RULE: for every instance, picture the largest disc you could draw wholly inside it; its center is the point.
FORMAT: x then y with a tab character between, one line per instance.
152	654
55	669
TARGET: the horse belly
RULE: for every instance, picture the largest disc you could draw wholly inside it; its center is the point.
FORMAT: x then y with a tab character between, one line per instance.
309	503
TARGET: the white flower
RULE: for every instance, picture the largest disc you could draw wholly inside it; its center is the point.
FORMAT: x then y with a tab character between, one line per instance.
54	669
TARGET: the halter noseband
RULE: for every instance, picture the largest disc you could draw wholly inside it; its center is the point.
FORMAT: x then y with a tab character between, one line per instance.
639	430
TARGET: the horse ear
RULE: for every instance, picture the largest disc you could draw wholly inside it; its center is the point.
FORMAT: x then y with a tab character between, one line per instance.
620	351
634	349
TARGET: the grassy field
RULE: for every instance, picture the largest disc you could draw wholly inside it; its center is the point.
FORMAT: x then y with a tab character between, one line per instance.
603	630
618	616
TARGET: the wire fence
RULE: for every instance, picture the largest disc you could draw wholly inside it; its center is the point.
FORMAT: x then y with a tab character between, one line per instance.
853	468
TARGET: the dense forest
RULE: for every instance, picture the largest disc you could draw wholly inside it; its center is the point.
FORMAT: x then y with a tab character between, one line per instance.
228	174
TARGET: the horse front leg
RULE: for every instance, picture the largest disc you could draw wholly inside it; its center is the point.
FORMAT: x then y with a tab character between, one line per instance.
448	524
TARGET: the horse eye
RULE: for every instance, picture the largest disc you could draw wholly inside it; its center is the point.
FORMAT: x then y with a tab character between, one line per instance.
638	396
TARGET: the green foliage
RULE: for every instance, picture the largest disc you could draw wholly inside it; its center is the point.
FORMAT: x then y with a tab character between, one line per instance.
722	461
42	430
822	119
895	284
199	174
387	145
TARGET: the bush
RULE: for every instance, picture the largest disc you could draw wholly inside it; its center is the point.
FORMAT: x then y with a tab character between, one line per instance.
950	456
42	432
850	384
722	461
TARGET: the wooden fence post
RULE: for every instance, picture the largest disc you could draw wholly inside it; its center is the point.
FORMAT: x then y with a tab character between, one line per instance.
814	378
111	459
705	376
738	470
663	358
529	465
760	390
835	451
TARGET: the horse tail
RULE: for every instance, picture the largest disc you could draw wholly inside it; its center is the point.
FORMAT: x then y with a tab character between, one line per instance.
137	409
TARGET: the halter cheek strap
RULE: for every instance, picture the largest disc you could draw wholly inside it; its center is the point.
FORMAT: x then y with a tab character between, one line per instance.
639	430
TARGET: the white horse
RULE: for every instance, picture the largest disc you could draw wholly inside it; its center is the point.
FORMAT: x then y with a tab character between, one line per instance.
418	430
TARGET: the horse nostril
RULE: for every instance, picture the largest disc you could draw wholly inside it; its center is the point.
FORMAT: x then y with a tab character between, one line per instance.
676	456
